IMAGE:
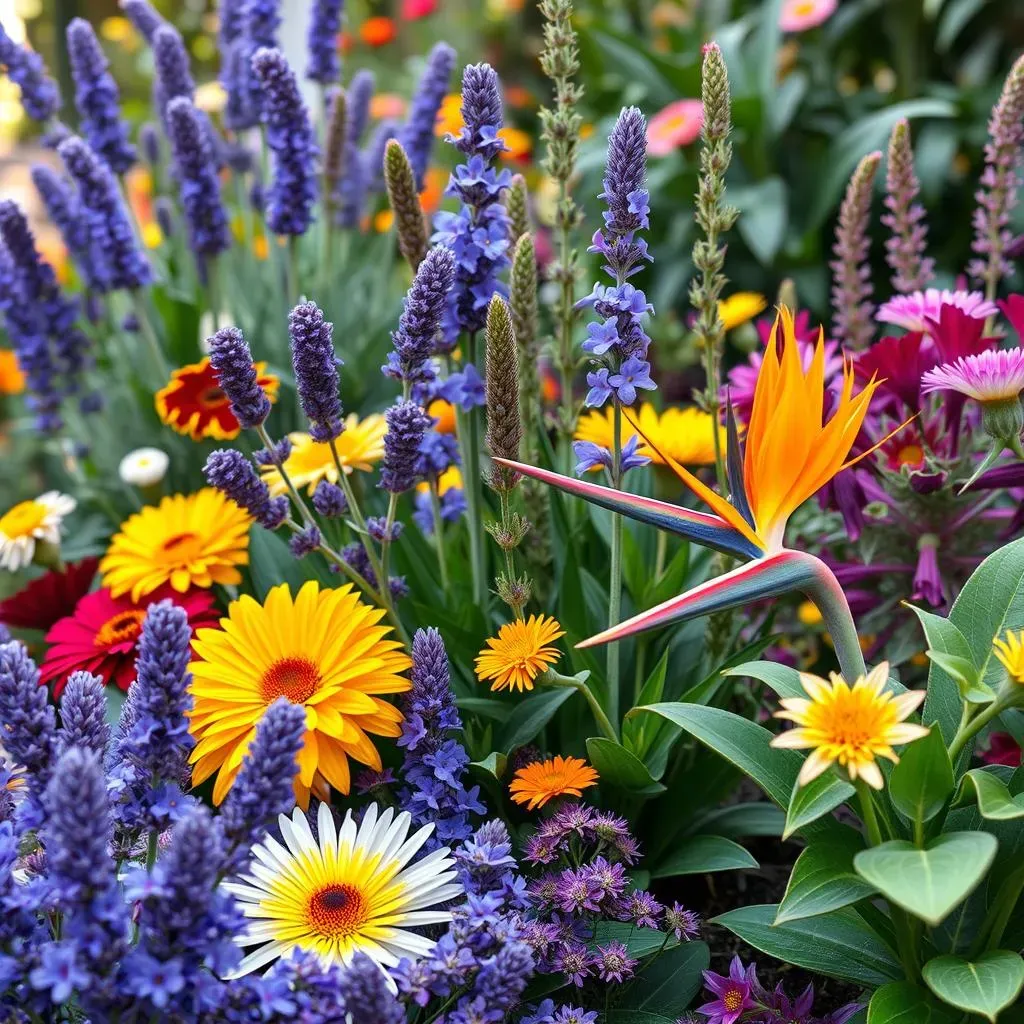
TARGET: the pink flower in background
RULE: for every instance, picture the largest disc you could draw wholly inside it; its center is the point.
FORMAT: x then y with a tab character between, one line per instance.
993	376
800	15
912	312
676	125
413	9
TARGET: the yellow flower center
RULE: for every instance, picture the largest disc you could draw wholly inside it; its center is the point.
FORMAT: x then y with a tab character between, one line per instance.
336	910
123	626
733	999
910	455
804	8
23	520
182	547
296	679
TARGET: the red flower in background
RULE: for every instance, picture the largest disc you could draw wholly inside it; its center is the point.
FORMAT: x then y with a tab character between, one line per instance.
102	633
50	597
1002	749
378	31
413	9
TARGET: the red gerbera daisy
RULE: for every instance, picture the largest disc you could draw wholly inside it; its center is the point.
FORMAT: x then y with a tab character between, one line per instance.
194	404
100	637
40	603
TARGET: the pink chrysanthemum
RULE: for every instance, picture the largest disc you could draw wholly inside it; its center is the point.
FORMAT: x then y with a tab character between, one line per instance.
914	312
993	376
801	15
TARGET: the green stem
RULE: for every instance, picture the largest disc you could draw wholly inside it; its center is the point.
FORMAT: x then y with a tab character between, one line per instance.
660	556
213	290
567	362
149	335
152	845
971	725
291	280
600	718
615	571
474	494
307	516
1002	908
435	507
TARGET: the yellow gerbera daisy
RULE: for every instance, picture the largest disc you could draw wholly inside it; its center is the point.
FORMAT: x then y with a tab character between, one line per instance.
344	892
30	523
188	540
542	781
519	653
360	445
324	650
737	309
849	725
685	435
1010	651
451	477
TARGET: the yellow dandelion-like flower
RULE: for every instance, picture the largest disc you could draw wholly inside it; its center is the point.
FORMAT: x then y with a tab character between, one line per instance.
322	649
542	781
188	540
685	435
519	653
737	309
848	725
349	890
1010	652
360	446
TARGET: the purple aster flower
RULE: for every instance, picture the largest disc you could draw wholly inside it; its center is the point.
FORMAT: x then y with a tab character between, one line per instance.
573	1015
914	312
614	964
733	994
236	374
83	715
316	370
578	891
642	909
574	961
610	880
230	471
417	135
321	41
683	923
39	94
633	373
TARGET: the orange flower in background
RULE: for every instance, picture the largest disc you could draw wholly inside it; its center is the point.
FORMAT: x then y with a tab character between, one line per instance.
444	413
378	31
12	380
518	96
434	184
519	653
542	781
193	403
518	145
449	117
675	126
387	105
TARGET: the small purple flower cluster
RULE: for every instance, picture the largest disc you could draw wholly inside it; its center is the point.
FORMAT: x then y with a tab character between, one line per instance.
352	187
39	94
417	134
230	471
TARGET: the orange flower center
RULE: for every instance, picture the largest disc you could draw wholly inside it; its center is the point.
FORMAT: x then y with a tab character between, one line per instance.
182	547
336	910
23	520
804	8
910	455
733	999
211	398
123	626
296	679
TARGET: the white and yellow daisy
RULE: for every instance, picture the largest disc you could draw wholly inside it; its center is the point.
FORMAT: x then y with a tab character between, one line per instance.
29	523
144	467
353	892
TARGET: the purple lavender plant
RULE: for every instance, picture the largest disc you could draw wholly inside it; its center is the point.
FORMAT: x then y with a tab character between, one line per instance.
236	374
321	41
64	208
83	715
39	93
417	134
373	156
353	183
908	242
316	370
144	17
230	471
173	74
407	426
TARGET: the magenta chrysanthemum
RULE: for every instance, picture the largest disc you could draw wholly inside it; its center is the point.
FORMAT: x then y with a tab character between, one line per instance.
914	311
993	376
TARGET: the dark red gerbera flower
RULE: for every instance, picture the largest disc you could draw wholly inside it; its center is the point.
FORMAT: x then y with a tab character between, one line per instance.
101	635
50	597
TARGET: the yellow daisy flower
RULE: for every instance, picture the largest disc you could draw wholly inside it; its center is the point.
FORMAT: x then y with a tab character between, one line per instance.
542	781
322	649
188	540
849	725
344	892
30	523
1010	651
737	309
519	653
685	435
360	445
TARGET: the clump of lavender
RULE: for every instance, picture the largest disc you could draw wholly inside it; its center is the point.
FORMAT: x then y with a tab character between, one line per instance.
417	134
353	182
853	320
64	208
324	25
1000	180
83	715
236	374
173	74
316	370
97	98
241	108
39	93
144	17
290	138
407	425
230	471
478	232
908	241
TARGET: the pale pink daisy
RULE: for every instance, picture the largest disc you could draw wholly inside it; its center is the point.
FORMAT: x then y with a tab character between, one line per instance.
800	15
993	376
914	312
675	126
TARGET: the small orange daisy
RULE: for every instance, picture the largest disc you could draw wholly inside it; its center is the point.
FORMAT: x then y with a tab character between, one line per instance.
542	781
378	31
519	653
193	403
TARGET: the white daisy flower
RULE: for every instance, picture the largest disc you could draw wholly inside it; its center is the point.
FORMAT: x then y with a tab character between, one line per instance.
29	523
144	467
354	891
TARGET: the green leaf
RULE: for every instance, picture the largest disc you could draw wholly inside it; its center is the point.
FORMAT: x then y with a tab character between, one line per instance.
923	779
618	766
637	1017
764	209
902	1003
739	820
531	715
785	681
995	801
839	944
640	942
985	985
965	673
928	883
823	880
816	799
702	854
670	982
493	764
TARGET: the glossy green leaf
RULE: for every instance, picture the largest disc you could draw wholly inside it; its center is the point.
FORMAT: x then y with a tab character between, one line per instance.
670	982
637	1017
823	880
783	679
494	764
814	800
531	715
994	799
839	944
923	780
764	208
620	767
741	820
965	674
902	1003
702	854
928	883
984	985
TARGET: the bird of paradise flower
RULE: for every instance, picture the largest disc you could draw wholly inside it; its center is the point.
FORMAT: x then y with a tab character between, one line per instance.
789	452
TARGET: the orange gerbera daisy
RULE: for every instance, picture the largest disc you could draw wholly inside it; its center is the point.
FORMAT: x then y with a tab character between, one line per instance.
193	403
12	380
378	31
542	781
519	653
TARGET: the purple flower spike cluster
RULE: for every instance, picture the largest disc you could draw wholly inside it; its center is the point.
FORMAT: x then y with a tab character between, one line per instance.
417	134
64	208
236	374
478	232
316	370
230	471
39	94
352	188
321	41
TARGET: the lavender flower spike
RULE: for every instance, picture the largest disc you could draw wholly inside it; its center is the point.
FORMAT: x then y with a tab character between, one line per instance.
173	75
407	425
316	370
64	208
236	374
324	26
198	183
230	471
417	135
97	98
351	191
39	94
292	193
906	246
83	714
365	994
144	17
29	727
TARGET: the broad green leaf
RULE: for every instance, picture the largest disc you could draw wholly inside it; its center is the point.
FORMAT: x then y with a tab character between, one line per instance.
494	764
839	944
965	673
783	679
923	780
620	767
497	710
819	797
637	1017
984	985
928	883
670	982
702	854
531	715
739	820
995	801
640	942
823	880
764	209
902	1003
